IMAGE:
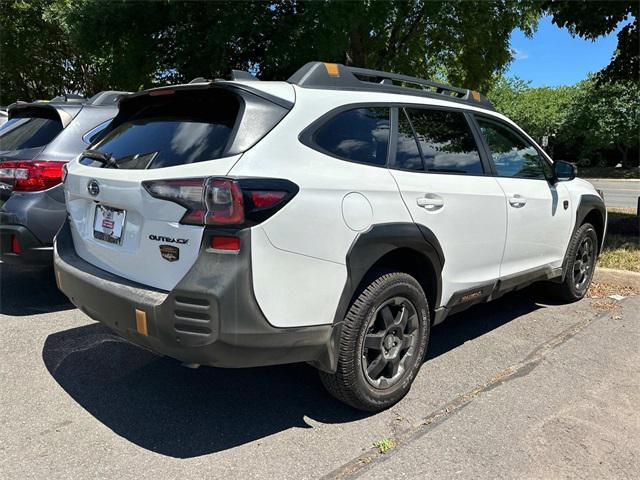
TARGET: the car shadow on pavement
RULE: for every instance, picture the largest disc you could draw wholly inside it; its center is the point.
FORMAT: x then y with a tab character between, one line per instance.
163	407
29	291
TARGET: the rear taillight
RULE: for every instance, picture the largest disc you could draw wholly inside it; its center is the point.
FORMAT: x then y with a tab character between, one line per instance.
15	244
31	176
224	201
228	243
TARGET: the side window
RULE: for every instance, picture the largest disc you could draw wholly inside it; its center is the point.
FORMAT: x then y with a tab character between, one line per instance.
511	154
407	153
92	134
359	135
446	141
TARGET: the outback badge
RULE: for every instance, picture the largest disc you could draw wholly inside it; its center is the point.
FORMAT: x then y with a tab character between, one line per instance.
170	253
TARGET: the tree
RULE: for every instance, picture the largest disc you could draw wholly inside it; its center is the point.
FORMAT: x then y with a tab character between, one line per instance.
32	53
607	115
540	111
593	19
585	120
146	43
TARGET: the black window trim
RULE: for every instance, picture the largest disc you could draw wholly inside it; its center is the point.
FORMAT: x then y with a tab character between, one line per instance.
520	134
487	166
307	136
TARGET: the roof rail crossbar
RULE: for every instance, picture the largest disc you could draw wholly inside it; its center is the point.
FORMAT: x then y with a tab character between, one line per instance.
338	76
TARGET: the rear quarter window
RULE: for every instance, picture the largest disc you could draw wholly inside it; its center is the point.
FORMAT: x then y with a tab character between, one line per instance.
358	135
28	132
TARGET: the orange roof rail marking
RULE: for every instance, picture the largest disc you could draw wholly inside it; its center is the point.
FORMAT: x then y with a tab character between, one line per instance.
332	69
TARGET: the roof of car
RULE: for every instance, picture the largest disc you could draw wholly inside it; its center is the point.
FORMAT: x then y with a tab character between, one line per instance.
336	77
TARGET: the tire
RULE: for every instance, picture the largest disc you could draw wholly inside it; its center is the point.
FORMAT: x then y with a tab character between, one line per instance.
387	329
579	268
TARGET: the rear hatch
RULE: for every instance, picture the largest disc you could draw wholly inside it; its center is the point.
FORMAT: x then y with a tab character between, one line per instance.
30	128
133	198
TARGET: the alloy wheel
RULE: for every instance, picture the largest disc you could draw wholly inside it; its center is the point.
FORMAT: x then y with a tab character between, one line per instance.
583	263
390	342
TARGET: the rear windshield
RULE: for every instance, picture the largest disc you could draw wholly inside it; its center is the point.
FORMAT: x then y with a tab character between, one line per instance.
172	130
28	132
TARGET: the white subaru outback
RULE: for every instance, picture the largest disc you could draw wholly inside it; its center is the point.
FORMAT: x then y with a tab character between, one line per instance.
330	219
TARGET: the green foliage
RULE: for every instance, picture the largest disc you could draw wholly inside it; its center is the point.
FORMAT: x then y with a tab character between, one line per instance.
384	445
89	45
609	114
584	119
540	111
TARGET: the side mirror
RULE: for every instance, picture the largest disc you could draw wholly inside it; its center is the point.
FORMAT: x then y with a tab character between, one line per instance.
564	171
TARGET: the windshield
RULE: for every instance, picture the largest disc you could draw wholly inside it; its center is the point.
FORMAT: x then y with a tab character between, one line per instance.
29	132
173	131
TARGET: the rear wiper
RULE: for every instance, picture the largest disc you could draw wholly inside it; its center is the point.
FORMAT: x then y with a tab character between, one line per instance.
105	158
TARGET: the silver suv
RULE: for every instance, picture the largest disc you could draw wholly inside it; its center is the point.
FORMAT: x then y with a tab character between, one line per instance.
38	139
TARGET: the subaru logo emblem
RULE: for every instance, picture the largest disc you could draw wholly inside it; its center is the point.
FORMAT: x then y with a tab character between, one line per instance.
93	188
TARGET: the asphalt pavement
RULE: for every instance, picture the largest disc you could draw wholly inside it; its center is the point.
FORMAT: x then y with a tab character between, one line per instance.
618	193
517	388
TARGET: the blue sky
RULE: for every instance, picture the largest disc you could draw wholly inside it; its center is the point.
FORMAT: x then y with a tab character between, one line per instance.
553	57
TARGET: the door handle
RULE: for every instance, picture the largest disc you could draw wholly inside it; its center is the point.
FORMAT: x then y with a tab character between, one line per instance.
430	202
517	201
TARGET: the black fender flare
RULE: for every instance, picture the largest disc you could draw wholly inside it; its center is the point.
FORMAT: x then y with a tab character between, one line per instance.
588	203
370	246
365	251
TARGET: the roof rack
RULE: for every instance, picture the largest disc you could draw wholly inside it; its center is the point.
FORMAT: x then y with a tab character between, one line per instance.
341	77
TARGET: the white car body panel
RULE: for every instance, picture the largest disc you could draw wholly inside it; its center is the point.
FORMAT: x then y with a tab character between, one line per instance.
138	257
471	226
294	290
539	228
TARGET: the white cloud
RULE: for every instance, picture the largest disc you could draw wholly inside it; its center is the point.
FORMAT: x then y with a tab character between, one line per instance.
519	54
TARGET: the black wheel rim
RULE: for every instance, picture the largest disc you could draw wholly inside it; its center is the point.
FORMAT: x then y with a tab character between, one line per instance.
390	342
583	264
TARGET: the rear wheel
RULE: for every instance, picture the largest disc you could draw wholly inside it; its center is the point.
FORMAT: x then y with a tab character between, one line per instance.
382	345
581	260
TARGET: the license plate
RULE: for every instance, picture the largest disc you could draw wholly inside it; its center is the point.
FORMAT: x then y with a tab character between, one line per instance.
108	224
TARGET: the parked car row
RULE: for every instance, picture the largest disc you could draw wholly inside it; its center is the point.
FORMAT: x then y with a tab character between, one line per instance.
331	219
36	142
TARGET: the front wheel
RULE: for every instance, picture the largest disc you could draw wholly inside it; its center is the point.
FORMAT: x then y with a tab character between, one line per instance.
581	261
382	345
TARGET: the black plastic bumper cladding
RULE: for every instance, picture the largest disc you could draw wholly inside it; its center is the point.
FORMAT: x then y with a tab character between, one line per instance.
211	317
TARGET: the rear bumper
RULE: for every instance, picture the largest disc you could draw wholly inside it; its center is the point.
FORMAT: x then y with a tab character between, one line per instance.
32	251
210	318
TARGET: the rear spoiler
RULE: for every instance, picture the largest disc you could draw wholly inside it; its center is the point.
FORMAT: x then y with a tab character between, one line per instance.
204	84
44	110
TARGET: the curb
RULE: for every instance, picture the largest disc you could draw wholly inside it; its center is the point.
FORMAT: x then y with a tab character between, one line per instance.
588	179
624	278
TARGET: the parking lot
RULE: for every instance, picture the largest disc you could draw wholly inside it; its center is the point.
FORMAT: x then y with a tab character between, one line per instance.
516	388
